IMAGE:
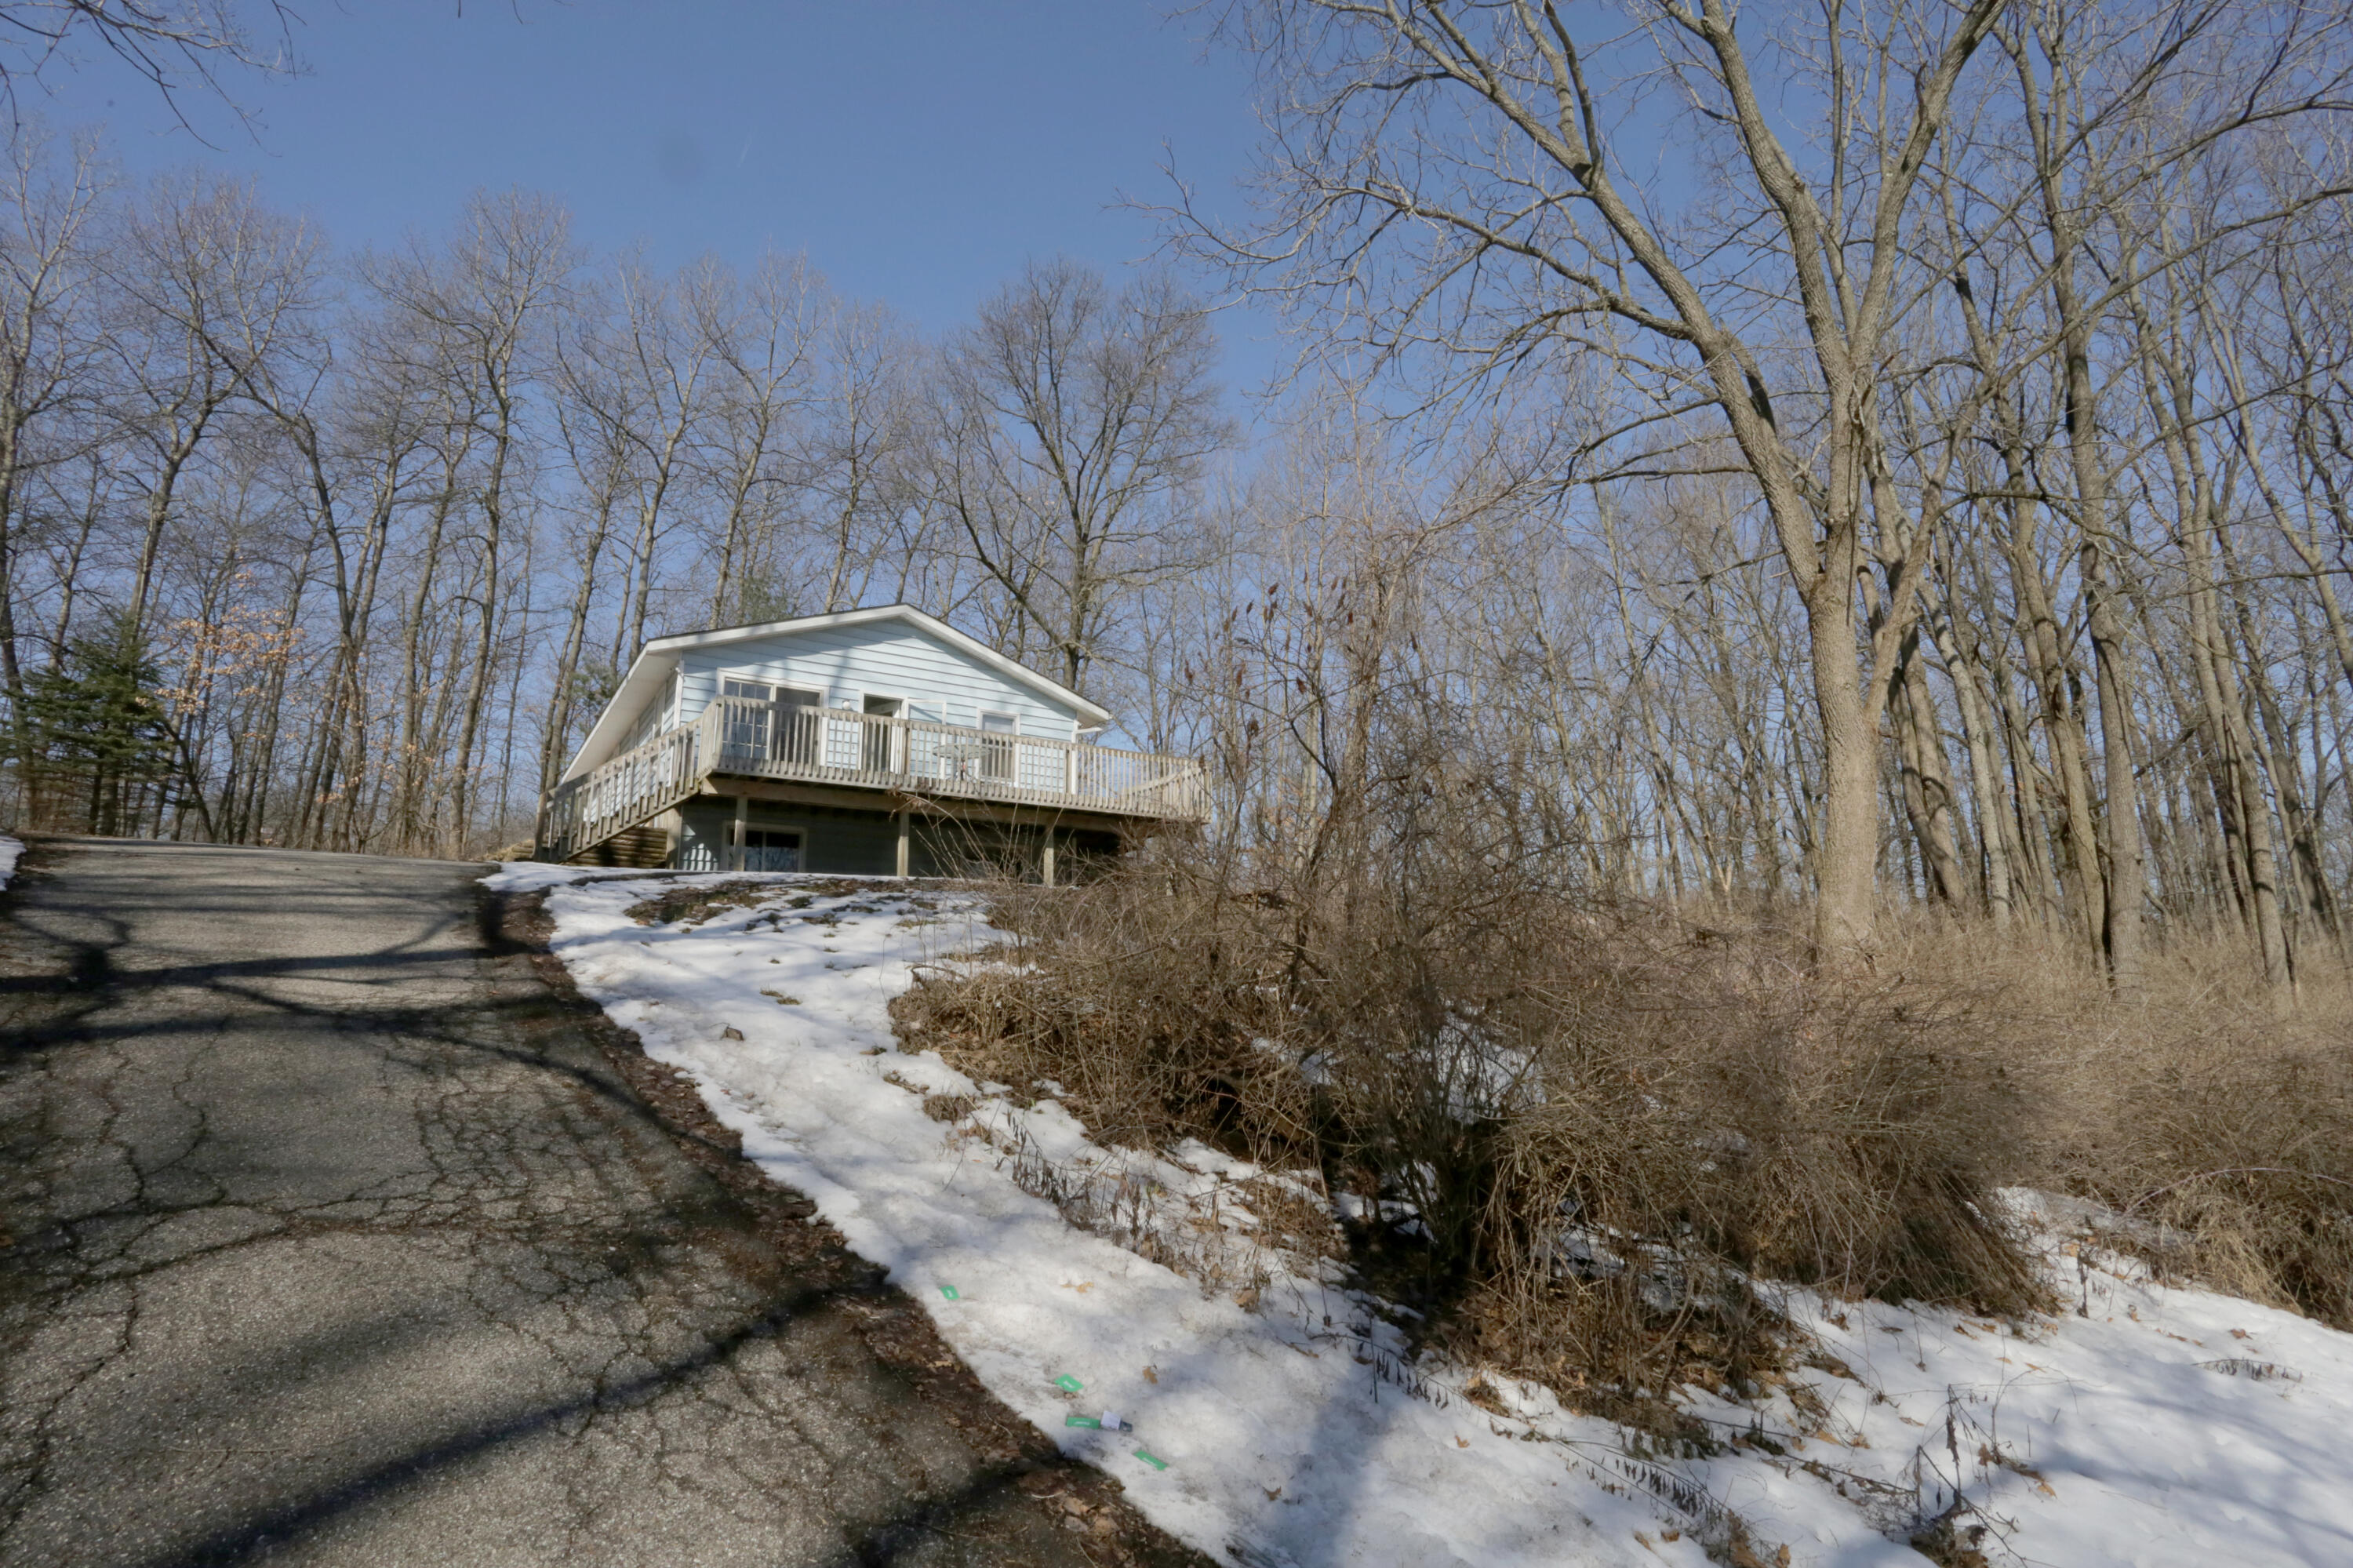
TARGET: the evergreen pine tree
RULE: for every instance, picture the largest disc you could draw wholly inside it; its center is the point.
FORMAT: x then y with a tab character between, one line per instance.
97	732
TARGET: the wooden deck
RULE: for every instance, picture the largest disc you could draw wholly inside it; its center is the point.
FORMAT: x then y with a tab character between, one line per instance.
894	756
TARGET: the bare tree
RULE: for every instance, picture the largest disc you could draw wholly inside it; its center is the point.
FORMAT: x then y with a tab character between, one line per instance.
208	282
1471	188
1076	425
763	335
177	46
855	474
485	303
1387	213
46	348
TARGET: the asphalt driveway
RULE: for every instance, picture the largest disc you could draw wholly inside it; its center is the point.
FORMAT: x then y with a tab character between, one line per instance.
329	1240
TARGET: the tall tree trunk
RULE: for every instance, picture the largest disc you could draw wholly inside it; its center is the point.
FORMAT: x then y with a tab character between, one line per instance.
1926	784
1985	789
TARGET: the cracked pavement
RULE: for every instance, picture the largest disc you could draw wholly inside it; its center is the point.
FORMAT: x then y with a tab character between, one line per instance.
332	1237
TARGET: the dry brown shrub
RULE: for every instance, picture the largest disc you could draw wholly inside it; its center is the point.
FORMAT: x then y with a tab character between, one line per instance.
1142	998
1716	1109
1533	1075
2220	1130
1611	1120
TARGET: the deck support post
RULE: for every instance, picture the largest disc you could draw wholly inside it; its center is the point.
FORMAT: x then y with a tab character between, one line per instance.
902	842
735	845
1046	859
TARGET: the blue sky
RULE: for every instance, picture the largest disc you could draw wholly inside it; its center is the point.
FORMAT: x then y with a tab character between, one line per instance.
918	151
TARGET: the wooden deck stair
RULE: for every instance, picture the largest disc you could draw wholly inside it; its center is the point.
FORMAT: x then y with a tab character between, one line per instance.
587	816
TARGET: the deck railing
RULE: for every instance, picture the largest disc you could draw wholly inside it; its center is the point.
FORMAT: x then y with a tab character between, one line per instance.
742	737
622	793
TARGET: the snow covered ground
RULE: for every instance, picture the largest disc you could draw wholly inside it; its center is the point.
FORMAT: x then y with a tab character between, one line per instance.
1269	1417
9	849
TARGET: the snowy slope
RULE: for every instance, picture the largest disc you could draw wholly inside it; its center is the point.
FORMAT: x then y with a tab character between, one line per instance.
2165	1427
2145	1432
9	849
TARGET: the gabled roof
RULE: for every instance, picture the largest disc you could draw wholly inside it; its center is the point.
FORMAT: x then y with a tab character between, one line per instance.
651	670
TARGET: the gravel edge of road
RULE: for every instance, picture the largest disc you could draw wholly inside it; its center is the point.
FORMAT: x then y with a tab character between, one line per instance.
1111	1531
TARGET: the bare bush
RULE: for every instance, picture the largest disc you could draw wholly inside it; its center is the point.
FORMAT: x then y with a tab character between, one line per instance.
1573	1135
1579	1135
1715	1112
1144	1001
2220	1134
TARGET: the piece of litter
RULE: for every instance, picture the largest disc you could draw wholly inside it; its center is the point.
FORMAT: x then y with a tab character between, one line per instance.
1154	1461
1087	1421
1112	1422
951	1292
1068	1383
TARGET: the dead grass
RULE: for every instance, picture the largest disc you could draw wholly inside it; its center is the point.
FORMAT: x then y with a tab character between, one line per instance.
2221	1133
1609	1121
1603	1123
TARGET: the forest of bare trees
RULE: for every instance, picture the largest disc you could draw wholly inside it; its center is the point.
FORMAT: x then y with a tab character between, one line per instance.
1874	459
1887	453
345	551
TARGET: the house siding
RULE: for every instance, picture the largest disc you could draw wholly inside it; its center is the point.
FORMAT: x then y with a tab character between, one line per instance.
652	719
885	658
702	836
835	842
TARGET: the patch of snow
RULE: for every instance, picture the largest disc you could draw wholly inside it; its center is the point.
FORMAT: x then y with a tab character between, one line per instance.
532	875
2147	1425
2120	1432
1288	1440
9	849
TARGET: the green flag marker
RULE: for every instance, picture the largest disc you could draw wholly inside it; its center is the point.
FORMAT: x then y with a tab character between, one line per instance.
1152	1459
1087	1421
951	1292
1068	1383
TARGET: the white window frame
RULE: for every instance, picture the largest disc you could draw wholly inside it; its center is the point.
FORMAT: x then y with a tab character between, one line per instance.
753	732
1000	762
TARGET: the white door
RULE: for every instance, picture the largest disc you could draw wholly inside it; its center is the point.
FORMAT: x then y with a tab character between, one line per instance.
997	749
880	750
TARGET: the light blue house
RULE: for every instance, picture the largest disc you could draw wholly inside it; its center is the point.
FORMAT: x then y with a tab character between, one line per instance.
874	742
